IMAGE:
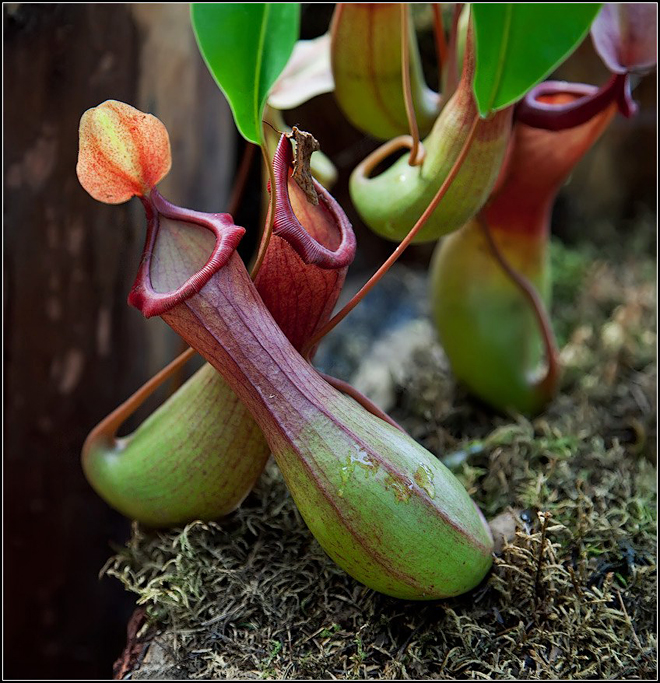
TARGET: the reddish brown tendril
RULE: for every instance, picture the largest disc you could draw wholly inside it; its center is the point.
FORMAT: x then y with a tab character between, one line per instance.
548	383
375	278
417	152
287	225
105	431
366	403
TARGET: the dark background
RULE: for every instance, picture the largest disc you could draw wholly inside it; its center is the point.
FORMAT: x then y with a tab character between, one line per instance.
73	348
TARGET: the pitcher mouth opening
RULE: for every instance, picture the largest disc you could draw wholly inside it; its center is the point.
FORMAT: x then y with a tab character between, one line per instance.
185	248
332	246
160	285
557	105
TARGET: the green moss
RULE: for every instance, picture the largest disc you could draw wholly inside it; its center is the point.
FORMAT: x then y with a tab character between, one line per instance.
255	597
569	268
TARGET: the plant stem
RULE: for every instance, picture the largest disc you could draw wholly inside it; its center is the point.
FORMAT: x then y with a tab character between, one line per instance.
268	230
107	429
375	278
366	403
451	69
241	178
549	382
416	153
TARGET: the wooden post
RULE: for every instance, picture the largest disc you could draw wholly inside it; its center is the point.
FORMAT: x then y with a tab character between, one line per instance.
73	347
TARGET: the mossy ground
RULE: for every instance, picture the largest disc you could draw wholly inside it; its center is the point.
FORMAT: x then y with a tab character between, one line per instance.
571	596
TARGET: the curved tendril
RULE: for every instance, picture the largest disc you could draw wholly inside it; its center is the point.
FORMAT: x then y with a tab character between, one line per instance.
106	430
416	154
287	225
375	278
547	384
366	403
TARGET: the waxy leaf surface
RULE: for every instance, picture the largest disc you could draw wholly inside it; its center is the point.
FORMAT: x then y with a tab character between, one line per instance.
246	47
519	44
306	75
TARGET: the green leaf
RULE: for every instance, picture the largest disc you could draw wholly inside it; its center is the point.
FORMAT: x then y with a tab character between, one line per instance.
246	46
519	44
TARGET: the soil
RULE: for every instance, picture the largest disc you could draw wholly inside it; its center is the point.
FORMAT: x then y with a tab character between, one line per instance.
572	592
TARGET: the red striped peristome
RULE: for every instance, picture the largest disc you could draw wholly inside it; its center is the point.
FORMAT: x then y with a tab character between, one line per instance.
220	225
308	256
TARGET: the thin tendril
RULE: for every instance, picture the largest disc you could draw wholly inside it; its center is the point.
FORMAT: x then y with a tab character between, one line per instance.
440	40
375	278
178	377
548	383
366	403
106	430
417	152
